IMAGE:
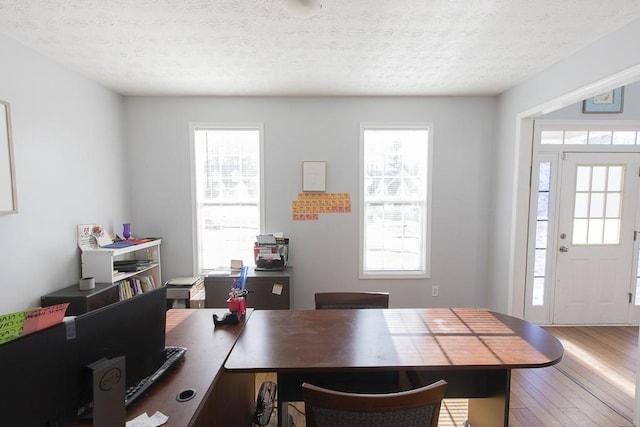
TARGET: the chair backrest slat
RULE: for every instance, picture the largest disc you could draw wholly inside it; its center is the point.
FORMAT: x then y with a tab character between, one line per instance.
418	407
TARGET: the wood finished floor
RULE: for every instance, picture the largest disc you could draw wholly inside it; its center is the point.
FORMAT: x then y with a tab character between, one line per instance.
593	385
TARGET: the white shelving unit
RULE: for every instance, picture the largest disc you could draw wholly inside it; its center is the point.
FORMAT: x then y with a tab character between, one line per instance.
99	262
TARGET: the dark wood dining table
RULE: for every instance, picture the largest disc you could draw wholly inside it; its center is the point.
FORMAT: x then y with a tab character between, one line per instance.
474	350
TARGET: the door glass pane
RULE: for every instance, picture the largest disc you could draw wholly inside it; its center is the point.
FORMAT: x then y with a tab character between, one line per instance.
597	205
544	179
599	178
596	227
614	183
543	205
573	137
542	234
613	205
583	178
600	137
540	263
624	137
551	137
580	231
611	231
538	291
582	205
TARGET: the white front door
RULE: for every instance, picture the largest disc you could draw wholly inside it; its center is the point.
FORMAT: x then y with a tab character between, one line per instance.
597	214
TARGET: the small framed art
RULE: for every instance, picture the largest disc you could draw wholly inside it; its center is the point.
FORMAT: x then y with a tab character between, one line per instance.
314	176
605	102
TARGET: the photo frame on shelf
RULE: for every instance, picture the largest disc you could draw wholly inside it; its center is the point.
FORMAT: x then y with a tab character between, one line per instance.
8	196
314	176
605	102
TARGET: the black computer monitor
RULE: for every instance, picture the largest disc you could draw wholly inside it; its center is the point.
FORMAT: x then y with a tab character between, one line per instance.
44	380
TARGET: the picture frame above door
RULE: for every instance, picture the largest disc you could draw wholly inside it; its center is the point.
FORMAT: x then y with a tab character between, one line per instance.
605	102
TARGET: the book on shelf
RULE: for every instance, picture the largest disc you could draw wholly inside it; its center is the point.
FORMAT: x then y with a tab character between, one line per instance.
135	285
147	283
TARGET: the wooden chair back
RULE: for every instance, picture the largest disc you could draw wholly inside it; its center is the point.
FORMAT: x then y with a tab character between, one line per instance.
414	408
346	300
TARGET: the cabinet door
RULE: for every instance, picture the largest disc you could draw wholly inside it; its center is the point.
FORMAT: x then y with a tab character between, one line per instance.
261	292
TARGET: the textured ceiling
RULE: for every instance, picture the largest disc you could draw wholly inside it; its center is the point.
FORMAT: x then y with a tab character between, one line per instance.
351	47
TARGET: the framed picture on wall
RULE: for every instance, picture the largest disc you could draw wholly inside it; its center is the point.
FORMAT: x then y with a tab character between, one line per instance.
605	102
314	176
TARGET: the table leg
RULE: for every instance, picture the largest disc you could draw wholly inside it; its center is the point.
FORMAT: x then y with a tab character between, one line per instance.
289	390
283	413
493	410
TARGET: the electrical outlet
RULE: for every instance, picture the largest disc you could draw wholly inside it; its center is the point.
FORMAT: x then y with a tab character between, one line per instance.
434	291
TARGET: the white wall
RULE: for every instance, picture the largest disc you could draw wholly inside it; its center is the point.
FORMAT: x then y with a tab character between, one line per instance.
604	65
324	253
69	159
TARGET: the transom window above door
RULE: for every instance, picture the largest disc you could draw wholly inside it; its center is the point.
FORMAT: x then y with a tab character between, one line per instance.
590	133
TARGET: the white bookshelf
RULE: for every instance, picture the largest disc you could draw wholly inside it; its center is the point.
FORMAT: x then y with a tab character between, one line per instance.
99	262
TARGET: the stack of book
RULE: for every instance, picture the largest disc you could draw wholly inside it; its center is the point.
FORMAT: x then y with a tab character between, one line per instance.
127	266
186	292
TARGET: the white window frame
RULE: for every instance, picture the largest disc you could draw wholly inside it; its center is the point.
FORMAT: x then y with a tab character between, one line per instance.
425	272
193	127
542	313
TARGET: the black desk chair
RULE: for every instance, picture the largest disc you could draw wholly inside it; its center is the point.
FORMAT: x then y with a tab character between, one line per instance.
414	408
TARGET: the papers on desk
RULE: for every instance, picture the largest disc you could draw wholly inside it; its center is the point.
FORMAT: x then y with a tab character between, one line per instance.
144	420
271	251
266	239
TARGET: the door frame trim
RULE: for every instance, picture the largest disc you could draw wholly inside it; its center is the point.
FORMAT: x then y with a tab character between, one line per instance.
544	315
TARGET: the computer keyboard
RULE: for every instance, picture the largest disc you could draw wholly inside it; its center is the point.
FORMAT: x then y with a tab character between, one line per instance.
173	355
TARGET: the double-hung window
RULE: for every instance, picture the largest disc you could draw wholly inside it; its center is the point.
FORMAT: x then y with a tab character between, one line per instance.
227	164
395	200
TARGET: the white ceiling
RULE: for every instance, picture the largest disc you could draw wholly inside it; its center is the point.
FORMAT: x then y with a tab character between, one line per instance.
352	47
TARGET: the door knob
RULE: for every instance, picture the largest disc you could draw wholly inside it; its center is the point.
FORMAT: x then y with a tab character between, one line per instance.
564	249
